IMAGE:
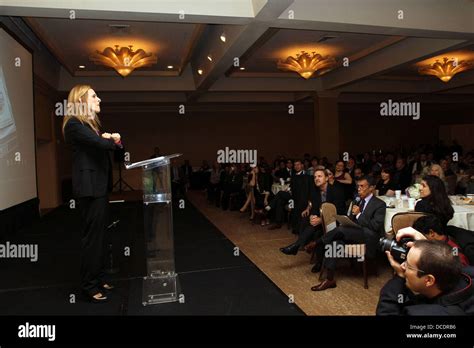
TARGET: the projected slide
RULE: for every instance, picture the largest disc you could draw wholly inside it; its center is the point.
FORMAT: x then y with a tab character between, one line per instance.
7	122
17	137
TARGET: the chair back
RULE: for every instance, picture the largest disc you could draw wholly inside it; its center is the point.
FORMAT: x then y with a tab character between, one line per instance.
402	220
328	216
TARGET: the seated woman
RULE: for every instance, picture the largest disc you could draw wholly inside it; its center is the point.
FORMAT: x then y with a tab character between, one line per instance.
436	170
344	178
262	183
386	186
250	201
434	199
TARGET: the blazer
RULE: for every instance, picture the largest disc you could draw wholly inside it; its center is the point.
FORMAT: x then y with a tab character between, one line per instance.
300	190
372	222
334	195
91	165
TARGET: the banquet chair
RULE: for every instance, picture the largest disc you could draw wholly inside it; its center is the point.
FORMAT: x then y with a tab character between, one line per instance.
402	220
328	217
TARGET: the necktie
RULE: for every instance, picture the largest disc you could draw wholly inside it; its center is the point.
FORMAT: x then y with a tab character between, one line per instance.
362	205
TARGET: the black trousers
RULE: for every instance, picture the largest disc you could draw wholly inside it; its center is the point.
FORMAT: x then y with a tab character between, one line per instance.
94	218
228	189
278	204
340	235
308	232
212	192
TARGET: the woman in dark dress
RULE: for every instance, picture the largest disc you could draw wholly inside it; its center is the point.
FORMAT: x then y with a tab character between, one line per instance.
386	186
434	199
261	184
91	182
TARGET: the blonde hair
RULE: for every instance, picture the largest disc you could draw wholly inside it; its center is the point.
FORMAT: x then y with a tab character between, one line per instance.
440	170
74	101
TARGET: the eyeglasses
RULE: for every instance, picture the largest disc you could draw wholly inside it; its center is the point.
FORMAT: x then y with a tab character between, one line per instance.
408	266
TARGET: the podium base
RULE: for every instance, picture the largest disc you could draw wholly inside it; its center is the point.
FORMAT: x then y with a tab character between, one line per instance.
160	289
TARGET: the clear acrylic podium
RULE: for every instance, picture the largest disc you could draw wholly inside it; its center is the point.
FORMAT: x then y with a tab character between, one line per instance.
161	283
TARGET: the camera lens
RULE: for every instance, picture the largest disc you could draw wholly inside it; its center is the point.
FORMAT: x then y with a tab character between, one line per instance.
386	244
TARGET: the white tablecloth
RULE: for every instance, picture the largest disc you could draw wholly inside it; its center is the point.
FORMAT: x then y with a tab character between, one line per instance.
463	214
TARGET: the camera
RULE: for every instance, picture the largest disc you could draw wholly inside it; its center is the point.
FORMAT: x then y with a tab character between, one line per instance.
398	250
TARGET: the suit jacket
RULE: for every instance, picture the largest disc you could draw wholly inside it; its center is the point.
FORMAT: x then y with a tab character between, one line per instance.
300	191
372	222
284	173
334	195
91	165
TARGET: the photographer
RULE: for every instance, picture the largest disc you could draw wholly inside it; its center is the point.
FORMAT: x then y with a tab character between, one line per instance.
430	282
431	228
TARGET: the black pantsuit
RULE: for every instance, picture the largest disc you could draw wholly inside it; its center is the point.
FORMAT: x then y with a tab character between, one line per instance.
91	182
94	212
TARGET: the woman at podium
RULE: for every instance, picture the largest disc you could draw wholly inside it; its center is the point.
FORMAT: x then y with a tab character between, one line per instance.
91	181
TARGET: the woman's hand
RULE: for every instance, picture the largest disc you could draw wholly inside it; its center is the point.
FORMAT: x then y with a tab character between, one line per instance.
106	135
115	137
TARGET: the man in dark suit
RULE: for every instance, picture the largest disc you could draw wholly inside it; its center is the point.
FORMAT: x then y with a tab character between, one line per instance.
369	215
297	198
310	227
287	172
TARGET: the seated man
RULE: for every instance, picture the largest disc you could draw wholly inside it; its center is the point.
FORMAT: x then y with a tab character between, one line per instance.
232	184
310	227
299	193
369	215
434	274
432	229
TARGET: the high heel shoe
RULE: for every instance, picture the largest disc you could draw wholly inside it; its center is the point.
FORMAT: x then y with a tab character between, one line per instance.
107	287
98	298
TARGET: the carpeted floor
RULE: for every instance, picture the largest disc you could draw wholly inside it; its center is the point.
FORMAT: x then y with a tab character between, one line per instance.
292	274
213	280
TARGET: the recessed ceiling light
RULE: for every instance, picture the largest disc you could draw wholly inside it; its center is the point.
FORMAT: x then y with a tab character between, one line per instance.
210	58
200	71
223	38
82	66
170	67
242	68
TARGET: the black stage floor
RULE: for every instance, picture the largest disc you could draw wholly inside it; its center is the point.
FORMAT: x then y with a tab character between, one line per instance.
212	279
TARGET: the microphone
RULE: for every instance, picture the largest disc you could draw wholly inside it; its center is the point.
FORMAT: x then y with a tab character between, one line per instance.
356	201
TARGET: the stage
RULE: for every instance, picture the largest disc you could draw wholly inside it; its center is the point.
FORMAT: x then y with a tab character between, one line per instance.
212	279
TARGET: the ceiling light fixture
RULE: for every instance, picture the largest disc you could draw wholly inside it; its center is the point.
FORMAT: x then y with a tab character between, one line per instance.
307	64
123	60
447	69
242	68
209	58
170	67
200	71
81	66
223	38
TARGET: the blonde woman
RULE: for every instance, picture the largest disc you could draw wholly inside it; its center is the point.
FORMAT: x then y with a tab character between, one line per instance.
436	170
91	168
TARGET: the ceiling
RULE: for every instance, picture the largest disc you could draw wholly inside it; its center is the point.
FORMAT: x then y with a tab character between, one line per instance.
383	53
73	41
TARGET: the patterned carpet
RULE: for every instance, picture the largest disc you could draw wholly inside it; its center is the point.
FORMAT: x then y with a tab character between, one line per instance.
292	274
